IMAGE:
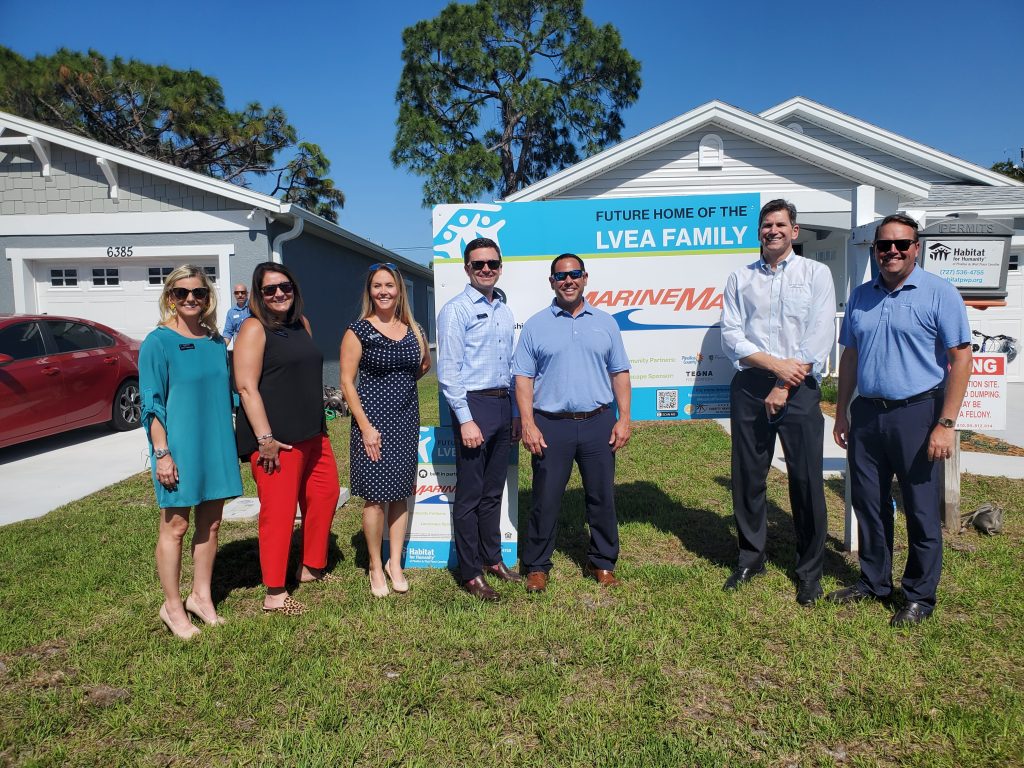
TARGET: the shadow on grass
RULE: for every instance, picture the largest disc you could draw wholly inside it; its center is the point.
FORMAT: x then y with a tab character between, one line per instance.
238	564
703	532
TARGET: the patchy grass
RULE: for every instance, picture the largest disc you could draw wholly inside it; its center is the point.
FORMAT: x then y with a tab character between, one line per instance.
664	671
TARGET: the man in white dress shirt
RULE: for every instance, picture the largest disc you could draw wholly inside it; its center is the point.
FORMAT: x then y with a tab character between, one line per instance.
777	327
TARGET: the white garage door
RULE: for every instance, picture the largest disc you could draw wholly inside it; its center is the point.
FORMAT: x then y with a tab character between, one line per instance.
116	292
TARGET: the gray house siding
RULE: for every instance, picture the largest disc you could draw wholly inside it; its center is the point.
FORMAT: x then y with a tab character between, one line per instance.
331	277
672	170
77	185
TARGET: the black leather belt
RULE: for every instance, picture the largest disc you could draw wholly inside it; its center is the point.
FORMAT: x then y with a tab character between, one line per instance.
931	394
574	415
499	392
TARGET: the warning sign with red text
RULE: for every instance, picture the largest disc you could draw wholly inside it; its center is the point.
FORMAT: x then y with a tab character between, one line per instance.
985	402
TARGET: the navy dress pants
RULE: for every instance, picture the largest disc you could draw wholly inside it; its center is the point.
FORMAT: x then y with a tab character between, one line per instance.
801	430
894	441
480	482
586	443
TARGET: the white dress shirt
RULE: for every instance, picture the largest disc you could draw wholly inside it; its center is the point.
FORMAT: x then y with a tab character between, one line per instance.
787	312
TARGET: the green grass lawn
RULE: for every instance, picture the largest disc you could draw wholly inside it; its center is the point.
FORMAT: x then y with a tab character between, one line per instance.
664	671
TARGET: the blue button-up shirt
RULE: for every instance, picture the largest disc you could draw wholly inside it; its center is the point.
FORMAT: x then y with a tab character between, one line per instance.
570	358
788	312
902	337
236	315
474	348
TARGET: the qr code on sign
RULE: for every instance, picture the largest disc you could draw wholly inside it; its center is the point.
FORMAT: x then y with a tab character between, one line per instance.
668	400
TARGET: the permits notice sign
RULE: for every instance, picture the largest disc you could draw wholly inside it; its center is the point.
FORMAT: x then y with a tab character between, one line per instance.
985	402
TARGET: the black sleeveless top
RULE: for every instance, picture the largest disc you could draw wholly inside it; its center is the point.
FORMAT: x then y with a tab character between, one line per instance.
291	386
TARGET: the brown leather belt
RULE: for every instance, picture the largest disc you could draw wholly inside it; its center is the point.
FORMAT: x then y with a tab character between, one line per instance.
574	415
499	392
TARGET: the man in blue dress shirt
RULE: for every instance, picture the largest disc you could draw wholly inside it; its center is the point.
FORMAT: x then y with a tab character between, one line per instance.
569	365
778	328
237	314
474	333
907	350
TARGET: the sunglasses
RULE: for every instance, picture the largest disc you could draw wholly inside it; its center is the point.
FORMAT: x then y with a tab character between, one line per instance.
883	246
200	294
381	265
491	264
287	287
240	293
575	274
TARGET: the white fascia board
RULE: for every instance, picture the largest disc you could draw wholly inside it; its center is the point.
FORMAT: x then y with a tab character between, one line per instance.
125	223
140	162
723	115
871	135
358	243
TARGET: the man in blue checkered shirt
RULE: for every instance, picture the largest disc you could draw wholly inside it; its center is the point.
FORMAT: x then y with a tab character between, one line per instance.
475	333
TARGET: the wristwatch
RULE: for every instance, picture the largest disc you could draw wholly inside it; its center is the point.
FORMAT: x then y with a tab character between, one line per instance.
159	453
947	423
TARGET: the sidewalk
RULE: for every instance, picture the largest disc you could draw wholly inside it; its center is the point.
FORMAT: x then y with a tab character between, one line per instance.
834	458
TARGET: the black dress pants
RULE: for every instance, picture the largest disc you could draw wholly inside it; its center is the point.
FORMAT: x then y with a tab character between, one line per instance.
801	430
480	482
586	443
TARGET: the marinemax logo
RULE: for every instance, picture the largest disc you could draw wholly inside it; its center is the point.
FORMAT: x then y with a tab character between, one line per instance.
939	251
678	299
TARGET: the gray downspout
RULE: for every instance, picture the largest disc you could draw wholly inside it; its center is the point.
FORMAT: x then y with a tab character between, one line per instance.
284	237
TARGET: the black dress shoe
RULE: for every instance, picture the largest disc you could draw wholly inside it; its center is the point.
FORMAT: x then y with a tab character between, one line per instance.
502	572
808	593
849	595
741	576
910	615
480	589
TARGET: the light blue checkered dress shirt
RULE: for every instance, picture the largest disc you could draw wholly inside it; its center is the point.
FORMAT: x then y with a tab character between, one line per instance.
474	348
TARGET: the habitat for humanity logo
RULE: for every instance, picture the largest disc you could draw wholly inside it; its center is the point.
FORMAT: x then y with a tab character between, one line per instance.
456	225
676	299
939	251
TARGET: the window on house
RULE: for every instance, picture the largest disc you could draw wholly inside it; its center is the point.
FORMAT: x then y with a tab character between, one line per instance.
106	276
157	274
63	278
211	273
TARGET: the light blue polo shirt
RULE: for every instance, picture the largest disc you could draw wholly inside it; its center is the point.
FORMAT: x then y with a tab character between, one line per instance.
902	337
570	358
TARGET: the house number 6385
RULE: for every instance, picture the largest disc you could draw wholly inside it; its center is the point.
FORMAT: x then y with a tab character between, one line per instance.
119	251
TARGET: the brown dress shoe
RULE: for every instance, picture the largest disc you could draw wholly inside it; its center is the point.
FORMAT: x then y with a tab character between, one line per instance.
502	572
536	581
602	577
481	589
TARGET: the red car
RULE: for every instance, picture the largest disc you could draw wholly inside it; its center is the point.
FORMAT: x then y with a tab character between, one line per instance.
61	373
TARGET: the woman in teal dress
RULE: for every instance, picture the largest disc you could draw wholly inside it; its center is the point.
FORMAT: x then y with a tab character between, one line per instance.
186	408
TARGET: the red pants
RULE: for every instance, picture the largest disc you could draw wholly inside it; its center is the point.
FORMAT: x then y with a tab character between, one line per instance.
308	477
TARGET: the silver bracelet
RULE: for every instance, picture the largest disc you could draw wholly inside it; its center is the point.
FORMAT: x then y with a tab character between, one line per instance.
263	439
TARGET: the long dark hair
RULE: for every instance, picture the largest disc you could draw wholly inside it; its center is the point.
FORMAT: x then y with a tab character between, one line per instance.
258	305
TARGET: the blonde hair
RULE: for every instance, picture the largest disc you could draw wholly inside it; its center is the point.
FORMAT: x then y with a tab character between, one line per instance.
209	318
402	310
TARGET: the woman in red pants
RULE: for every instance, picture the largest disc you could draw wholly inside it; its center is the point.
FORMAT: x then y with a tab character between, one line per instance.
281	429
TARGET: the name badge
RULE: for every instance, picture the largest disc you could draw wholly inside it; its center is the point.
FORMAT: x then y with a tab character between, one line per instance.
482	317
282	334
185	347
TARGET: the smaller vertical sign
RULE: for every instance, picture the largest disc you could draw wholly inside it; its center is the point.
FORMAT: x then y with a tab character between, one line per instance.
985	401
429	542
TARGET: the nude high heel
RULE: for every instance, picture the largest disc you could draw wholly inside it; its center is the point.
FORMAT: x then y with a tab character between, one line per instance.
400	585
187	634
191	608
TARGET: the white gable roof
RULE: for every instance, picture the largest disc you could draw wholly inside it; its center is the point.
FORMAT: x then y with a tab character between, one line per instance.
800	108
722	115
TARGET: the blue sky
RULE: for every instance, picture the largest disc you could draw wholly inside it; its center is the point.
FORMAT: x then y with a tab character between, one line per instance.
942	73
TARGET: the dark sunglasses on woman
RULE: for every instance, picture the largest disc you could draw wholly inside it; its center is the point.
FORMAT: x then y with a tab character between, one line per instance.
287	288
200	294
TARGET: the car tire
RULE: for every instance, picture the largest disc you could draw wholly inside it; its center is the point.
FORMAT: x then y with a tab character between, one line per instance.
126	412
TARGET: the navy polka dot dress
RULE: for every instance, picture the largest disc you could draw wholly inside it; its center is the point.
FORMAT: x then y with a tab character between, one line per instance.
387	392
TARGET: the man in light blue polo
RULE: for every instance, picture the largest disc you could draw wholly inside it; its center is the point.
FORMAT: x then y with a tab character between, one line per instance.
570	365
907	350
475	332
237	314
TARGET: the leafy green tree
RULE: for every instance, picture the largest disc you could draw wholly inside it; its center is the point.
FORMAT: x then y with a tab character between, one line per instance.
498	94
176	116
1009	168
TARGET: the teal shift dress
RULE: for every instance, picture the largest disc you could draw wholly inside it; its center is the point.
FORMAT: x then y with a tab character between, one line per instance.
185	386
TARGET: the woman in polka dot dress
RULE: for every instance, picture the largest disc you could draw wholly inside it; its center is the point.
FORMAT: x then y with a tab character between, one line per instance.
388	351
